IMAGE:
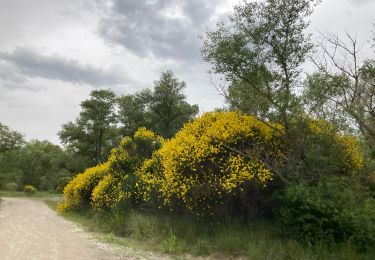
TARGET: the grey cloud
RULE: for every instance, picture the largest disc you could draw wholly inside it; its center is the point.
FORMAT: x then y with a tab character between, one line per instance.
9	74
155	28
55	67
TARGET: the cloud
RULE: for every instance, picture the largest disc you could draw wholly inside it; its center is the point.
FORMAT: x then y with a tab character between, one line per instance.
360	2
30	63
166	29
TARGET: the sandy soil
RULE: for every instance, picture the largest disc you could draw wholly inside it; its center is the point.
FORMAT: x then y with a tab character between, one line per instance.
30	230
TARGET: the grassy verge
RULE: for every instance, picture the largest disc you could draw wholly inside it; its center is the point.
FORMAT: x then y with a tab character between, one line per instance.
50	198
182	236
39	194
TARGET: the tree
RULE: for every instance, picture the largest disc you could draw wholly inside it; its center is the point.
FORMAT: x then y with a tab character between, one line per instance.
343	89
262	48
9	139
133	112
10	144
42	164
163	110
168	108
94	133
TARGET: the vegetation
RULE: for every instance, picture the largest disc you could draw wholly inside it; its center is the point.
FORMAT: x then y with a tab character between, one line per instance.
163	110
29	189
92	135
281	173
37	163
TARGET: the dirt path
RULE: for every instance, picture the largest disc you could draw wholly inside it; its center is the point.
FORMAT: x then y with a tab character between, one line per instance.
30	230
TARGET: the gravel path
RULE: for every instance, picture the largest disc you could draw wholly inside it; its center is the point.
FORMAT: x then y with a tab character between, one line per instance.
31	230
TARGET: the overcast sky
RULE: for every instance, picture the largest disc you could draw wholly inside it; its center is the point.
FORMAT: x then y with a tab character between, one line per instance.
53	53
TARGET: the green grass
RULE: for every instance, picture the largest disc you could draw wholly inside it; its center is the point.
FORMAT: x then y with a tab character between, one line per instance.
182	236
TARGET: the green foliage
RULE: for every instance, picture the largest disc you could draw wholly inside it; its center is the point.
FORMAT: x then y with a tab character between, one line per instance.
262	48
42	163
61	183
29	189
191	238
10	144
318	150
342	90
163	110
132	112
168	106
329	211
94	132
10	186
9	140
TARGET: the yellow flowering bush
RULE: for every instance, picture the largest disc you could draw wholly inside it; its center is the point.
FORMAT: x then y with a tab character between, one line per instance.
214	157
77	194
29	189
122	184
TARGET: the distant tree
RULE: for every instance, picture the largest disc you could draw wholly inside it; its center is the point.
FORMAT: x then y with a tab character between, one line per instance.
9	139
41	163
10	144
133	112
163	110
94	133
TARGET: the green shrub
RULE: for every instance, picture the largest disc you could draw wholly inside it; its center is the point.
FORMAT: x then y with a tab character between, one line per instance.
11	186
61	183
330	211
363	221
318	150
29	189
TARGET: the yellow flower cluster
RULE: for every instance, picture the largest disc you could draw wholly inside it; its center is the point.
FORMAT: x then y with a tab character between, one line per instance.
213	157
105	195
77	194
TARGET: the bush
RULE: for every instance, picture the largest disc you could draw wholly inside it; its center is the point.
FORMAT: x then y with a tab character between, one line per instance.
114	182
77	194
330	211
324	187
11	186
319	150
214	159
123	186
61	183
29	189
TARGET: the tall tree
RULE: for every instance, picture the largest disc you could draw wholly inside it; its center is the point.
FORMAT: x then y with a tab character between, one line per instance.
163	110
168	107
94	133
262	48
